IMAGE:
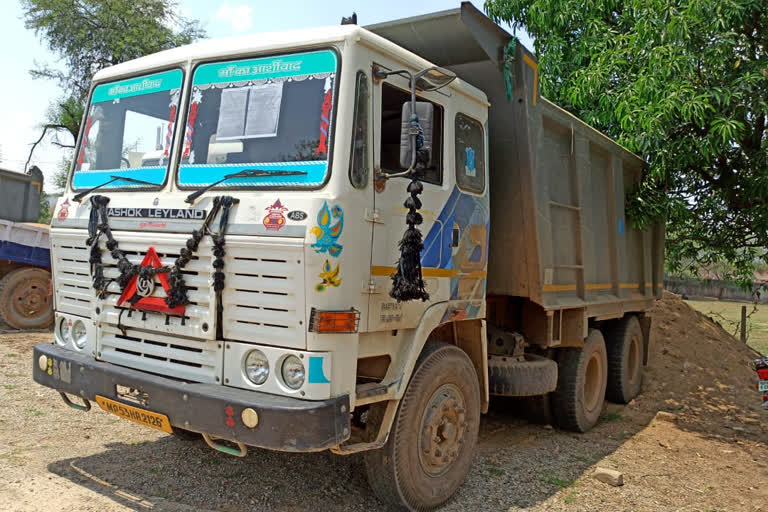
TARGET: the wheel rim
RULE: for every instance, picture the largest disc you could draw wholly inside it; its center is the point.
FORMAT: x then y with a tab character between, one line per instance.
442	429
634	359
592	380
30	299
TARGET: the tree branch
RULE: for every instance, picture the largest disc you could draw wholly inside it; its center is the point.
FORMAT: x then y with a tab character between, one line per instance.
38	141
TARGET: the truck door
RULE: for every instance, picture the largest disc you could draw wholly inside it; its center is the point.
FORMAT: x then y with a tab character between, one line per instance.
389	213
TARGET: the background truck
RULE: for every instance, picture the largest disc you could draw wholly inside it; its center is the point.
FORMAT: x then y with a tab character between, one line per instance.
25	262
349	240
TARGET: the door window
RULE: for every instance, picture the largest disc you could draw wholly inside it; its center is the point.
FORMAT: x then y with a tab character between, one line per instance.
358	161
392	100
470	154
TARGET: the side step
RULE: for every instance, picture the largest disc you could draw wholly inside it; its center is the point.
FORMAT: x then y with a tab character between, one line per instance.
508	376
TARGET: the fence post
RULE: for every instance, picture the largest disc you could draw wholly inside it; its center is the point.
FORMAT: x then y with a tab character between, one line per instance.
743	324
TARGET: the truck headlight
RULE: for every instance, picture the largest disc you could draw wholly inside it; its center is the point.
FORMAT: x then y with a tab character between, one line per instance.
293	372
65	330
256	367
79	334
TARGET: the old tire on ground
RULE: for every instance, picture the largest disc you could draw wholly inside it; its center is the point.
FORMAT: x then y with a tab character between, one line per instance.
624	342
429	450
24	299
186	435
578	399
536	375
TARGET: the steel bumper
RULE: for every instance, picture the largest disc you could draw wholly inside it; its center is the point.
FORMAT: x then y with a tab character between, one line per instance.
284	423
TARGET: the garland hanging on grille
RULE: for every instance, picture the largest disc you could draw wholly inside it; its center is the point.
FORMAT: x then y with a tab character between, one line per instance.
98	225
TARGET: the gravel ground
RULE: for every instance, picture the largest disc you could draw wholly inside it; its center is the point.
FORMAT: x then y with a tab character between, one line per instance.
707	451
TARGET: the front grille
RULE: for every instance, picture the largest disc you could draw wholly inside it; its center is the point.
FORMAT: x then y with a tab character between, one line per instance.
263	300
69	257
199	317
264	293
171	356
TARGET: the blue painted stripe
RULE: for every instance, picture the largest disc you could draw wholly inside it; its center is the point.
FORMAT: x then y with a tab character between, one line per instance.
316	375
87	179
25	254
200	175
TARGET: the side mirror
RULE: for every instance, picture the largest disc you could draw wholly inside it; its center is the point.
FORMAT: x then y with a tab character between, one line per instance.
426	112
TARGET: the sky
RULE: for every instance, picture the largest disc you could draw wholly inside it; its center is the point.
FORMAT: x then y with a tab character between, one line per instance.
24	101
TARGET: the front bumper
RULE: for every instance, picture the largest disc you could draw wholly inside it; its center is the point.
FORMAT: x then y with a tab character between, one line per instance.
285	423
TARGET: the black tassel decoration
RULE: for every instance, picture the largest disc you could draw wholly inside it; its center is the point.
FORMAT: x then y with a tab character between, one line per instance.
407	282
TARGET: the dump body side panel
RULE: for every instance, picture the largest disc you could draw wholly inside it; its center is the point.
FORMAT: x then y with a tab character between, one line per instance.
20	195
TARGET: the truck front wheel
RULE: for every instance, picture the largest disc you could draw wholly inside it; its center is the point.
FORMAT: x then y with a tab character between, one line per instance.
583	375
429	450
24	299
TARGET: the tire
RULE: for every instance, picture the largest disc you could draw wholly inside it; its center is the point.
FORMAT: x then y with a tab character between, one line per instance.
535	376
624	343
580	394
24	299
538	409
186	435
424	461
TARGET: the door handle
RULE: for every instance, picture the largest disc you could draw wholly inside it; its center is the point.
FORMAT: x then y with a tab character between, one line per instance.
455	237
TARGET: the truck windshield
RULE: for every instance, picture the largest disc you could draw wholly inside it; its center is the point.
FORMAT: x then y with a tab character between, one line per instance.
271	113
129	131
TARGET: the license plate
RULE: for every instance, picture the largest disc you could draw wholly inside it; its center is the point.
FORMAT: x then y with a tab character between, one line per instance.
148	418
763	385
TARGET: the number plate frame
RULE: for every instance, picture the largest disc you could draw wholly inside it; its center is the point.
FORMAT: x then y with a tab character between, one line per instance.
135	414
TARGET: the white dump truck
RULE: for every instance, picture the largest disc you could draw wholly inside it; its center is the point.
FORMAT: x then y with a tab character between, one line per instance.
347	239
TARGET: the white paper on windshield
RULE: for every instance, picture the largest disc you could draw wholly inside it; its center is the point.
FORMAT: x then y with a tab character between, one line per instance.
232	113
264	110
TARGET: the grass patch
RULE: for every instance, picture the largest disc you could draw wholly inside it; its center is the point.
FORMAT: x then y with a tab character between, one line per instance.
728	314
34	412
10	387
610	417
549	478
494	470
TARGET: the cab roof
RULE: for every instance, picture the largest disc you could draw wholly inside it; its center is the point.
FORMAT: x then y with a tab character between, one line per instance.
247	45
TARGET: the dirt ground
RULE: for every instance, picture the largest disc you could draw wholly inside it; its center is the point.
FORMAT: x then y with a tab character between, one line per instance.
707	450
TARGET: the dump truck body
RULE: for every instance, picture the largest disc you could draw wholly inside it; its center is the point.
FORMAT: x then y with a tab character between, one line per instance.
25	301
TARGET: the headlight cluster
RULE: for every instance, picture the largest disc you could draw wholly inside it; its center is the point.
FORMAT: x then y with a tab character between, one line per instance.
256	367
73	332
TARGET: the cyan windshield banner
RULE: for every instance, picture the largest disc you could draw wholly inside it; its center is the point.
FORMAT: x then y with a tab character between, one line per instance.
155	174
297	64
202	175
146	84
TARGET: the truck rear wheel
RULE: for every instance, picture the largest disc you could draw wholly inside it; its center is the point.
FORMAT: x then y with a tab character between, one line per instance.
24	299
429	450
578	399
625	360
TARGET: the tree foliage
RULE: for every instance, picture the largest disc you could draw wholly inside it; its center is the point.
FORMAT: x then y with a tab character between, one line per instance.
88	35
683	83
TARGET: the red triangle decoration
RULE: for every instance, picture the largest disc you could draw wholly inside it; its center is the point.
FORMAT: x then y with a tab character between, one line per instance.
150	303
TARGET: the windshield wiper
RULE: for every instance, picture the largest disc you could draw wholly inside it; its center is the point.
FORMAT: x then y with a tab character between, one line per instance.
246	173
79	197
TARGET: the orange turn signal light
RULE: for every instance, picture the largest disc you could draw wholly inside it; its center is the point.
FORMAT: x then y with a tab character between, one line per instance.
345	321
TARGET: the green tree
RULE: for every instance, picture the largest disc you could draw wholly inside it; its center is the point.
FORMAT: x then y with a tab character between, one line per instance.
88	35
683	83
